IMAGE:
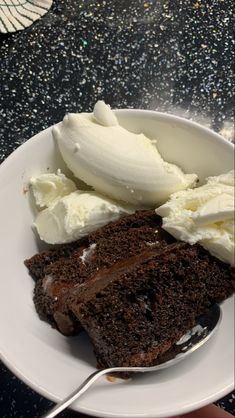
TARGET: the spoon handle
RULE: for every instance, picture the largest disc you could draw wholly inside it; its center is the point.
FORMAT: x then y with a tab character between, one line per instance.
74	395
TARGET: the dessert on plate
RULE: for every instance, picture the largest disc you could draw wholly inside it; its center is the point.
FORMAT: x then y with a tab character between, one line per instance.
140	254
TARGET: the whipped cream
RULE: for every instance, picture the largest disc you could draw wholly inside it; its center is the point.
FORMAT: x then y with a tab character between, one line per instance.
204	215
49	187
117	163
76	215
87	253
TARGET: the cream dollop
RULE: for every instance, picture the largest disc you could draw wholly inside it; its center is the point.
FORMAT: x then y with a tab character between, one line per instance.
76	215
204	215
116	162
49	187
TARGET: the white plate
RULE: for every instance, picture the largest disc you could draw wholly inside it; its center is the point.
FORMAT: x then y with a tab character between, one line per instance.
54	365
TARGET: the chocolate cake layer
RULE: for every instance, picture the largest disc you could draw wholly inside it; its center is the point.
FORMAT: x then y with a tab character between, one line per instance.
135	310
137	232
37	264
137	220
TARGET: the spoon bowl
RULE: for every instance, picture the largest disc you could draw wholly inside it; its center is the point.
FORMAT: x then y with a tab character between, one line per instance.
193	339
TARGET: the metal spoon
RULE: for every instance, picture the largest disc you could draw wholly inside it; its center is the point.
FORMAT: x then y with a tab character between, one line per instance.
206	326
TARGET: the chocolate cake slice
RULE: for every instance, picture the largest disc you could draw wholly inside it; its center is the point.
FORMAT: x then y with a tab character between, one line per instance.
136	309
37	263
116	241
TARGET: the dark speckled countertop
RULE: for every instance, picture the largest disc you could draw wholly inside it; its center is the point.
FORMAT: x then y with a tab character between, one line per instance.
172	56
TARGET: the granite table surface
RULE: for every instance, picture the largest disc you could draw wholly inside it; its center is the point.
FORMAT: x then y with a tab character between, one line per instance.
171	56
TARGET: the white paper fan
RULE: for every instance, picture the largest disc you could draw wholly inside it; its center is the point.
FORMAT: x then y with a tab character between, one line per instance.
19	14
